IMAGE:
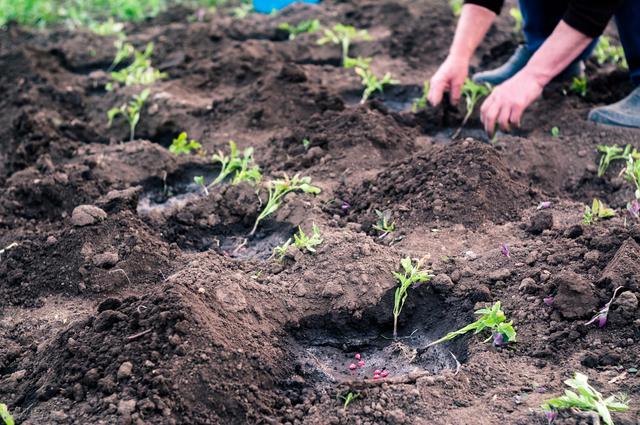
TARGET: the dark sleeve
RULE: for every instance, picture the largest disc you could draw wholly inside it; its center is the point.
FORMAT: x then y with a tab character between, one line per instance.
590	17
492	5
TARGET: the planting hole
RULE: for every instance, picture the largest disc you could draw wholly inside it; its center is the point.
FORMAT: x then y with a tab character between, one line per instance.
397	98
330	343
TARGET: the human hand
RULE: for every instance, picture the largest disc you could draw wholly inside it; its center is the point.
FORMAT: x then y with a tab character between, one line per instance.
449	77
508	101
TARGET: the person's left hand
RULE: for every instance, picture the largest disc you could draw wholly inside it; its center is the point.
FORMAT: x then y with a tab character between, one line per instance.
507	102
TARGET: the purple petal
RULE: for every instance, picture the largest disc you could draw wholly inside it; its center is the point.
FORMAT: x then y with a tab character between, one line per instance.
345	206
551	415
504	249
544	205
548	300
634	208
498	340
602	320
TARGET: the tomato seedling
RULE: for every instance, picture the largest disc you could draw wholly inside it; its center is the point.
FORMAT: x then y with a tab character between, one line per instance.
244	167
139	72
411	275
5	415
632	171
343	35
372	83
358	62
607	52
351	396
596	212
130	111
421	102
472	93
311	25
281	250
278	189
587	399
492	319
555	132
610	154
579	85
182	145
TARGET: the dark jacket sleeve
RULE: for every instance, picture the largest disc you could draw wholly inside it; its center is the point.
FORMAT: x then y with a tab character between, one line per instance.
492	5
590	17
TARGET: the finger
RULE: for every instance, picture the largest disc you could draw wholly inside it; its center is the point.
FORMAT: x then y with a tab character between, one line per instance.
456	90
503	118
436	91
516	115
490	118
485	107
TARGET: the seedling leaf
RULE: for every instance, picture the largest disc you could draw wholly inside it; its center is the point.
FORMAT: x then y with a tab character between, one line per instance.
411	276
182	145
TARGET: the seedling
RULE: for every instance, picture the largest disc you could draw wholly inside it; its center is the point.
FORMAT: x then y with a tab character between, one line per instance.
358	62
139	71
372	83
311	25
307	243
280	251
555	132
199	180
516	14
351	396
492	319
607	52
242	11
131	112
456	6
278	189
411	276
579	85
244	168
597	211
384	225
306	143
5	415
182	145
472	93
603	313
421	103
632	171
343	35
586	398
107	28
610	154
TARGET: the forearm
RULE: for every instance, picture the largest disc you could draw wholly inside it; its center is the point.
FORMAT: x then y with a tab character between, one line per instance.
556	53
473	25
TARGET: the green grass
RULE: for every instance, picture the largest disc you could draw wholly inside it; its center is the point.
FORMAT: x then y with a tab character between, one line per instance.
74	13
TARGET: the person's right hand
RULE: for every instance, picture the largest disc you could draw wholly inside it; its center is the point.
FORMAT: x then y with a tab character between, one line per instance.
448	78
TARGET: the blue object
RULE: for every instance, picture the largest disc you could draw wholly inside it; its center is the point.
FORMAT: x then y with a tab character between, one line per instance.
625	113
268	6
541	17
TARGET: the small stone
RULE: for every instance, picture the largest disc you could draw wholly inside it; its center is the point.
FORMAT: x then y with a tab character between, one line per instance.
106	260
528	286
51	240
470	255
85	215
124	371
592	257
442	283
532	257
539	222
126	407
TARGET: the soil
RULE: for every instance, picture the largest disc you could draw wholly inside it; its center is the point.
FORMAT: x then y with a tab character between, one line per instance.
131	296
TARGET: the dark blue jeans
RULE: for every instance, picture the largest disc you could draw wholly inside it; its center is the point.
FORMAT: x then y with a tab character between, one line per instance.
541	17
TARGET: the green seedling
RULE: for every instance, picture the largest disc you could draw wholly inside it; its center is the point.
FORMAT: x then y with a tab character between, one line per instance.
124	51
410	276
372	83
306	143
472	93
5	415
199	180
242	11
610	154
311	25
139	72
108	28
278	189
384	224
244	167
351	396
596	212
343	35
182	145
492	319
358	62
307	243
456	6
587	399
130	111
579	85
516	14
632	171
606	52
555	132
421	103
280	251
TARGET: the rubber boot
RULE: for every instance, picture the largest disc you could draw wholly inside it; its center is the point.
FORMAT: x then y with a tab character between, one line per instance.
625	113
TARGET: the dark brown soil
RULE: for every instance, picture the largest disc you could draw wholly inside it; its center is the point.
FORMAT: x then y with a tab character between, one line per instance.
162	310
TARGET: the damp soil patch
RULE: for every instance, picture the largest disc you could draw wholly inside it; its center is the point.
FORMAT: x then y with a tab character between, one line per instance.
396	98
329	344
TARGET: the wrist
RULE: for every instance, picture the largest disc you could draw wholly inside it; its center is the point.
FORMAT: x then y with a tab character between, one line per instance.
459	58
540	76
